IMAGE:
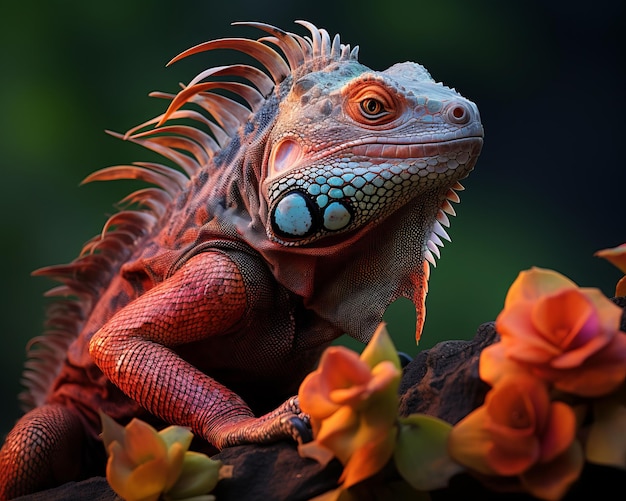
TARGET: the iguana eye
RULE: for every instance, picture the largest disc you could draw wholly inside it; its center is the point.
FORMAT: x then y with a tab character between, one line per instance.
371	104
372	107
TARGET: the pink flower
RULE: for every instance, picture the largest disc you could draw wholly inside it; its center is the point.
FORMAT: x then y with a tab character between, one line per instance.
566	335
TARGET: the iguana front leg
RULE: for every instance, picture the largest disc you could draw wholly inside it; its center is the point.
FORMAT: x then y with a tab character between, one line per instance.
205	298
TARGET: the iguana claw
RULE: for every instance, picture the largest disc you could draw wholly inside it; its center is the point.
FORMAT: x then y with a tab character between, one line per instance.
286	422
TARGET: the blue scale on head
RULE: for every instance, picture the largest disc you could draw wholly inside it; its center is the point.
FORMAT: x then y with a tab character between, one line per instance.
335	181
336	216
335	193
347	177
314	189
321	201
292	216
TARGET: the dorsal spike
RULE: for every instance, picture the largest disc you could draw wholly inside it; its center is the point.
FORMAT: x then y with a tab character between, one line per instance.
315	40
220	136
133	172
223	110
154	199
178	177
259	79
174	146
188	164
269	58
286	42
446	206
453	196
335	49
305	46
252	97
137	222
198	143
326	43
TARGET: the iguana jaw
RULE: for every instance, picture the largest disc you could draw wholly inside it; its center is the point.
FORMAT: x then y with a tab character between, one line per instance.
360	185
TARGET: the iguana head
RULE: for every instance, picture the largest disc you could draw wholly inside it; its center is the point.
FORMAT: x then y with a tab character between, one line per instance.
351	145
339	176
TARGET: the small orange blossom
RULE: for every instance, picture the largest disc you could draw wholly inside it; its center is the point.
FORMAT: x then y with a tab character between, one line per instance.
519	432
352	403
146	465
559	332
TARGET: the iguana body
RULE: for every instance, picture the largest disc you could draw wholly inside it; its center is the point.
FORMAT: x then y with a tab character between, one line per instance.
300	217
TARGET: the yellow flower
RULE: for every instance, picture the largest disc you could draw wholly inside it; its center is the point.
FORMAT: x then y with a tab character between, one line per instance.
563	334
519	432
617	257
144	464
352	402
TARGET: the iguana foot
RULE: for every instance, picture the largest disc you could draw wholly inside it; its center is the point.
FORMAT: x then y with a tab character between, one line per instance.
286	422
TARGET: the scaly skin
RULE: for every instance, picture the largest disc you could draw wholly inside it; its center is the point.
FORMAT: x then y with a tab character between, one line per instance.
299	219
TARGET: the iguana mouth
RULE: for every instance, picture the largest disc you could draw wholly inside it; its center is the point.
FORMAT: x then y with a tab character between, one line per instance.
407	147
412	151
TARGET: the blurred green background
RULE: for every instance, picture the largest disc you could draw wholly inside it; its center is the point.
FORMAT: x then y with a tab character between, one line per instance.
548	77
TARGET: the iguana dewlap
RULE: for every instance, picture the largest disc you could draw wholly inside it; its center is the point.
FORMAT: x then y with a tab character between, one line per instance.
302	203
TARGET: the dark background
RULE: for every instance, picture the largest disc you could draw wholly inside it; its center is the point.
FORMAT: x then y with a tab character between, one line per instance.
548	77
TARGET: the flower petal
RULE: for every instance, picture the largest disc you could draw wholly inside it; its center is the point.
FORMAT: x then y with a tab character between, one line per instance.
111	431
601	374
469	442
147	481
616	256
606	442
551	480
532	284
494	364
380	348
338	431
142	483
559	433
143	443
566	319
369	458
519	336
339	368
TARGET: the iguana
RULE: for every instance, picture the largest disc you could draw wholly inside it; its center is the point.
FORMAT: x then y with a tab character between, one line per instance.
304	197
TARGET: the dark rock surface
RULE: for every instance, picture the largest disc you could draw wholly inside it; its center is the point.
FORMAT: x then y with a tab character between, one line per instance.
442	382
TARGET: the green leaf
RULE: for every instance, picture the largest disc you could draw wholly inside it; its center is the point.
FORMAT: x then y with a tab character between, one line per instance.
421	454
199	476
180	434
380	348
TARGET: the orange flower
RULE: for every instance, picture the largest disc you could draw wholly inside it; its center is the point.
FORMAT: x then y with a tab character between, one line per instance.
146	465
519	432
353	409
617	257
559	332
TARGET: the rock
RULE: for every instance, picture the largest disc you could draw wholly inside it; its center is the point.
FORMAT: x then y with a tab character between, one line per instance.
441	382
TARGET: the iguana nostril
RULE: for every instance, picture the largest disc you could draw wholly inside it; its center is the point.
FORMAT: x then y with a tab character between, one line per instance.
458	113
